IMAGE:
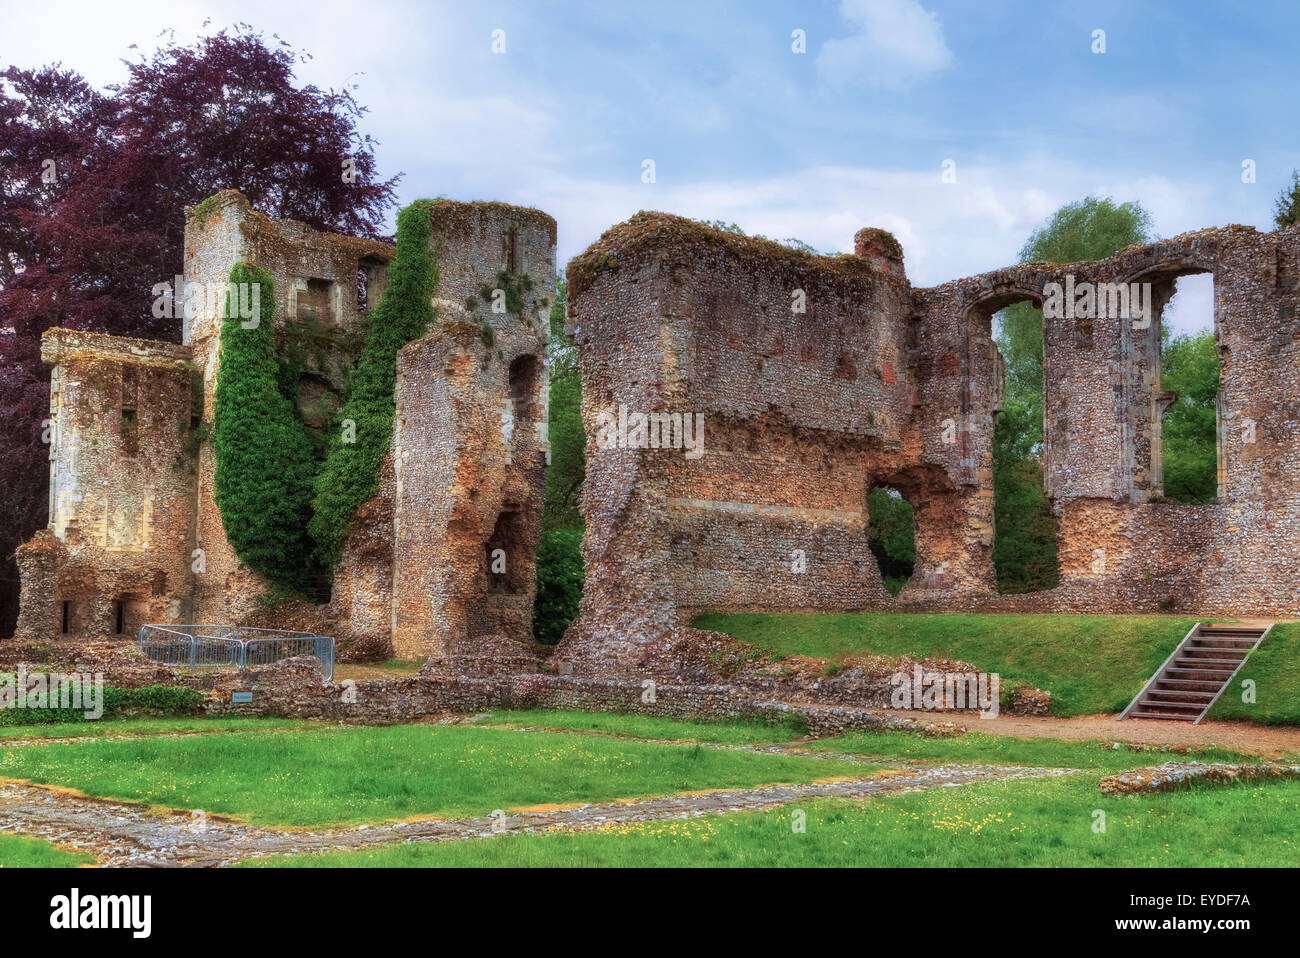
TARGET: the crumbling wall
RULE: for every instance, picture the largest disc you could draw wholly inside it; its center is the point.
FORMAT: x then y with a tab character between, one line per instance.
807	375
317	315
133	514
877	383
1123	547
470	444
121	485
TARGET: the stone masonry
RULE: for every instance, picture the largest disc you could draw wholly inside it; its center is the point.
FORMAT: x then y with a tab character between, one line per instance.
740	399
135	534
818	378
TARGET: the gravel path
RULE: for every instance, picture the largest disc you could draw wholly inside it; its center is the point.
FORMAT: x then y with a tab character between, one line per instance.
127	834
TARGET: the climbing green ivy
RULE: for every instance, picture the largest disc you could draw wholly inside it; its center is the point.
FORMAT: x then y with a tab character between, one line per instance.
512	288
205	209
264	462
364	425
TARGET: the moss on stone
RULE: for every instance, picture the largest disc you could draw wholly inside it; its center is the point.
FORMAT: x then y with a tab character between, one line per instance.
453	217
200	214
686	240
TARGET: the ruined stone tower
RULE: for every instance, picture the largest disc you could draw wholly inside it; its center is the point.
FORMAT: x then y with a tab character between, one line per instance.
135	532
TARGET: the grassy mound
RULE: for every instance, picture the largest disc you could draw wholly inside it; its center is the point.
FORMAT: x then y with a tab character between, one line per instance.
1090	663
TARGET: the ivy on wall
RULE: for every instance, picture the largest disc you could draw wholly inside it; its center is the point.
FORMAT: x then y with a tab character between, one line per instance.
285	508
350	474
264	461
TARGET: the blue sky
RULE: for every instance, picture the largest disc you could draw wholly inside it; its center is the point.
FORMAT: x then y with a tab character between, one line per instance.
853	132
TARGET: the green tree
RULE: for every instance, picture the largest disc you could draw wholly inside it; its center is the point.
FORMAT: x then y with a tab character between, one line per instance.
1024	547
1190	367
350	474
1287	210
559	555
891	530
568	439
560	579
264	460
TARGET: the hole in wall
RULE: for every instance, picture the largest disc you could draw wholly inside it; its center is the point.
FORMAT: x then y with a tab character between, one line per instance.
510	248
504	553
525	375
315	303
372	275
1191	381
892	532
1025	531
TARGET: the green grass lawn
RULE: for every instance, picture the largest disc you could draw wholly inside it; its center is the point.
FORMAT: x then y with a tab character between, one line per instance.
975	748
1040	823
18	851
1090	663
647	726
1275	669
352	775
148	726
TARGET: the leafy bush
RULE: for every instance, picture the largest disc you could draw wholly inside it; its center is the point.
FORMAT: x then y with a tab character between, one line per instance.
162	701
350	474
264	462
559	583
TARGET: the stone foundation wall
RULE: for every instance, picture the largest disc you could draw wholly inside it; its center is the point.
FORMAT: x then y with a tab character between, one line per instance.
294	689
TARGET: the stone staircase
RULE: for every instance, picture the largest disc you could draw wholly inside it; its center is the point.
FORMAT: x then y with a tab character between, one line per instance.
1196	674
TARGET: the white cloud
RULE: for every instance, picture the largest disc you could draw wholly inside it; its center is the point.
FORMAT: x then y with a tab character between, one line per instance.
464	123
894	43
947	230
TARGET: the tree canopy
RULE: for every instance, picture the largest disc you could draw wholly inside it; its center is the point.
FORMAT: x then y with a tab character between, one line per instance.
1286	211
93	188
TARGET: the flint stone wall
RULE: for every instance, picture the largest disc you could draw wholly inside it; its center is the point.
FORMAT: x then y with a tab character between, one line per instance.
134	518
819	378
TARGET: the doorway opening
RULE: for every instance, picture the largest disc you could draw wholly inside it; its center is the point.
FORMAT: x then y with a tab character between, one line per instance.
892	530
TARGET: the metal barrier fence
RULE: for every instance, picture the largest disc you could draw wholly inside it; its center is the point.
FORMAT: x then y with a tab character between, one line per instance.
227	646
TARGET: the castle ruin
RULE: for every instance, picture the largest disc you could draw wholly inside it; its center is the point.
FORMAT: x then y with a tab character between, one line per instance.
817	378
135	534
740	399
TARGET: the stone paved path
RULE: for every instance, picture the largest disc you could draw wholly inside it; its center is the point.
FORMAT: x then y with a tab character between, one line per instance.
126	834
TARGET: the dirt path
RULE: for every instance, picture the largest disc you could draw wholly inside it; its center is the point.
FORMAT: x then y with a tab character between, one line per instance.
1243	736
125	834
